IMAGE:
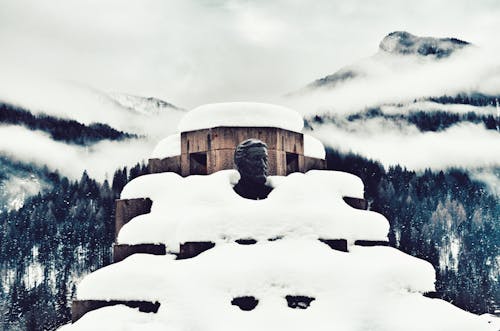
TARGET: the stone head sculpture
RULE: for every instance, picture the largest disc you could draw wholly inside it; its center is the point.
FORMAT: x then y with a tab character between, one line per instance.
251	161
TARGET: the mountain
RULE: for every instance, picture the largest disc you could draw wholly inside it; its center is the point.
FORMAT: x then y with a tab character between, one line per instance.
398	44
143	105
21	179
421	102
402	42
100	136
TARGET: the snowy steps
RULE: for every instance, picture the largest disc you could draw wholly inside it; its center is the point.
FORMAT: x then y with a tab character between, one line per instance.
127	209
194	248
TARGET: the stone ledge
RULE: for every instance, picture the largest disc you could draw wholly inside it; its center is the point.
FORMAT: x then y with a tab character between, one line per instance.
356	203
81	307
191	249
336	244
370	243
122	251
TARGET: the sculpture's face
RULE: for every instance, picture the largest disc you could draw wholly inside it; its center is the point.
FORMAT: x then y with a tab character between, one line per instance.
254	165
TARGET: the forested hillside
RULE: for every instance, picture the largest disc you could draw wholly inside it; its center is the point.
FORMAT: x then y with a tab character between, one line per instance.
62	234
47	245
20	180
425	120
443	217
69	131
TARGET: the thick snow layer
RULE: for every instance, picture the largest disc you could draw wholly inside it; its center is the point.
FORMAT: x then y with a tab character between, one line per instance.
206	208
241	114
313	147
169	146
287	262
369	288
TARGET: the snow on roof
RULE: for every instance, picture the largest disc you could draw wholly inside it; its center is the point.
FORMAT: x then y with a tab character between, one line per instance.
241	114
313	147
167	147
366	289
301	205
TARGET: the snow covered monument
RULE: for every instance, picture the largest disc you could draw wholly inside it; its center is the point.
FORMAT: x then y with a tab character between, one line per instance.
192	254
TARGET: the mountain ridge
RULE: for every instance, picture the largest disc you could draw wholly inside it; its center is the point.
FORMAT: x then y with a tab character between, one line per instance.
397	43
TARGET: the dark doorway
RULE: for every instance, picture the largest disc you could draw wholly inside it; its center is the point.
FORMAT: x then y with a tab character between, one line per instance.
245	303
198	164
299	301
292	163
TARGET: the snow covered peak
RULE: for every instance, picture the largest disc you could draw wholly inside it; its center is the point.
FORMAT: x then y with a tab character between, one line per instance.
241	114
402	42
142	105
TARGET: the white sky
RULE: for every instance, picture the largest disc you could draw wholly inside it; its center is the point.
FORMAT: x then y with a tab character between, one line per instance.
193	52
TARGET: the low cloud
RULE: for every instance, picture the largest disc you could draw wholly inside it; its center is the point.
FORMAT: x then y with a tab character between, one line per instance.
85	105
99	160
191	52
402	79
464	145
428	106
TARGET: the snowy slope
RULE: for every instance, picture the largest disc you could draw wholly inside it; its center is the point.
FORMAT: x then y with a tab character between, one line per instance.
404	68
144	105
399	47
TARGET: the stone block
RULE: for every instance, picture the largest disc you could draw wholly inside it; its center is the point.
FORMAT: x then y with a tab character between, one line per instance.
168	164
121	251
311	163
193	248
336	244
126	209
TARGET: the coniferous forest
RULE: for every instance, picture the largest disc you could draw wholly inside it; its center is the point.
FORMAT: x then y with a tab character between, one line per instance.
65	232
50	243
69	131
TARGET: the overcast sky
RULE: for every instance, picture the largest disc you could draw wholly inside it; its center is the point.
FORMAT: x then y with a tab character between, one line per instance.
192	52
